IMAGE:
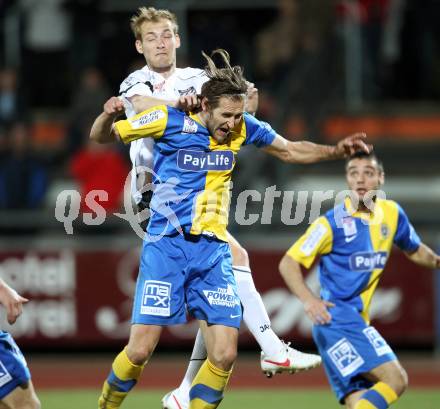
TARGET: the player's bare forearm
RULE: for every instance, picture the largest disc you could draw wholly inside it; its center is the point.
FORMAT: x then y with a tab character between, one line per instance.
299	152
291	272
425	256
142	103
315	308
306	152
185	102
102	129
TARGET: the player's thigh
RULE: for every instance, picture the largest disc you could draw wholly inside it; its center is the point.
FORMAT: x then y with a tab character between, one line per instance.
221	344
239	254
22	397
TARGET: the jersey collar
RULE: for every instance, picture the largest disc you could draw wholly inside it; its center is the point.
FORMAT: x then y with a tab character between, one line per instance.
362	215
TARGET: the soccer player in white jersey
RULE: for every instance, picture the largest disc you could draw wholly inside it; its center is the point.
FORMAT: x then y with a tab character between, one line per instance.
156	33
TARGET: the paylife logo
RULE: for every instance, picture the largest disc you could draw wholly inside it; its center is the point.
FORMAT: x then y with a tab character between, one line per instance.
365	261
199	161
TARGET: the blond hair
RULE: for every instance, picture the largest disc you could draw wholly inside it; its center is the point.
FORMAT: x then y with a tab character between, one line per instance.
223	82
150	14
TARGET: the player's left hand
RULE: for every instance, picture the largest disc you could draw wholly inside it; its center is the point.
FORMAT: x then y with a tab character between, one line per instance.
352	144
251	105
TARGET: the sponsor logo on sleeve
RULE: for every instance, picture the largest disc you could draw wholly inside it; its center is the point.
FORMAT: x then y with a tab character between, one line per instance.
313	239
148	118
199	161
189	125
156	298
345	357
365	261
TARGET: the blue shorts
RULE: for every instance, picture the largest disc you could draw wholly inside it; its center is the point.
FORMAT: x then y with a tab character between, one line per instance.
13	367
350	347
192	271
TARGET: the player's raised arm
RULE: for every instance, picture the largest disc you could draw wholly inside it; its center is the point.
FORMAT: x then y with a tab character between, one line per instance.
309	152
425	257
185	102
102	129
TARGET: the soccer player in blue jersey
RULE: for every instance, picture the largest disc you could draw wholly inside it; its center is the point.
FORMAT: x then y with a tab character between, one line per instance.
190	266
159	82
16	388
354	243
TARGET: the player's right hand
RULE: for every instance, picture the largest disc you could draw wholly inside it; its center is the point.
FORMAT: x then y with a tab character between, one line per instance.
114	107
317	310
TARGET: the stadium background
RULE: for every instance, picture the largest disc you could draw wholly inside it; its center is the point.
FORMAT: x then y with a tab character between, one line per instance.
324	69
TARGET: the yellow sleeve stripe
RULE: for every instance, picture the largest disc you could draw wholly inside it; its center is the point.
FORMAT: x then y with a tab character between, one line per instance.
318	239
149	123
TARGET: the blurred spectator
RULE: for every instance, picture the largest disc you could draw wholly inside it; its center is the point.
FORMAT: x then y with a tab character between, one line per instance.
380	23
87	103
278	43
47	37
100	167
85	16
296	61
23	176
12	105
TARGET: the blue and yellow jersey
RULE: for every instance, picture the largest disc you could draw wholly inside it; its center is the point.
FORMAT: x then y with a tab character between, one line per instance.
192	171
354	248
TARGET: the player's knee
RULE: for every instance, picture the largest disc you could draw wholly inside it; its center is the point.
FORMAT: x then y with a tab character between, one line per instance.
400	381
240	256
139	354
224	357
397	380
36	404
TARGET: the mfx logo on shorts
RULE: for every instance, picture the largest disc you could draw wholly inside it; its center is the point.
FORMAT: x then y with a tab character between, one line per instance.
345	357
364	261
199	161
376	340
156	298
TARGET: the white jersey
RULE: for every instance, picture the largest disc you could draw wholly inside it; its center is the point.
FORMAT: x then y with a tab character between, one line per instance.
184	81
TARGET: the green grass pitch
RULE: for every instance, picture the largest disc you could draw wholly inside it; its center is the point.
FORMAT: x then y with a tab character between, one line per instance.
234	399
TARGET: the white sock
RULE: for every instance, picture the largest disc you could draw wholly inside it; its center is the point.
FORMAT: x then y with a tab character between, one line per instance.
198	356
255	314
